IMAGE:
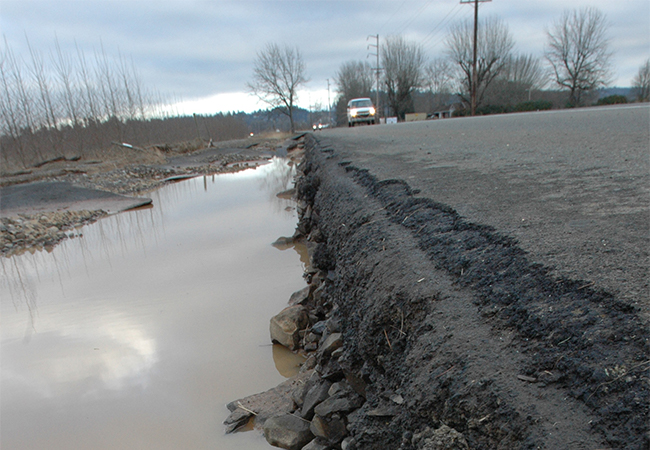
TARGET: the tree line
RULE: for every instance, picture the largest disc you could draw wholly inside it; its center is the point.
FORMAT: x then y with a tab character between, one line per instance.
58	104
576	60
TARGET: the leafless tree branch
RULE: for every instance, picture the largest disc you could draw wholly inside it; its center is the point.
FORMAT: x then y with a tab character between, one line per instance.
277	75
577	52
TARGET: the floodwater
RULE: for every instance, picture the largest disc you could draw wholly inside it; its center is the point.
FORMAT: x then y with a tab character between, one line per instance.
136	334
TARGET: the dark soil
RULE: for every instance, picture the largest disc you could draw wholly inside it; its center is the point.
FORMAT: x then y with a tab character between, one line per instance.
454	318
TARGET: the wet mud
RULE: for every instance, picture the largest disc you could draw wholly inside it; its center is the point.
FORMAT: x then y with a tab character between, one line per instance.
454	320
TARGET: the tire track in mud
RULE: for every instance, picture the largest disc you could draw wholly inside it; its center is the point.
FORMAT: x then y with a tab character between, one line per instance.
453	317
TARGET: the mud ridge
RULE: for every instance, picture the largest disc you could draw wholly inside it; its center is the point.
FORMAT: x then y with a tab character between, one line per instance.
453	318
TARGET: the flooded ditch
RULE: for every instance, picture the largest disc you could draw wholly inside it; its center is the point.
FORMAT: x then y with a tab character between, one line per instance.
138	331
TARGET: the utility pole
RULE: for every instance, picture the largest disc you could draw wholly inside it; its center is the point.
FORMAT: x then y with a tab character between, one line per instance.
377	68
473	82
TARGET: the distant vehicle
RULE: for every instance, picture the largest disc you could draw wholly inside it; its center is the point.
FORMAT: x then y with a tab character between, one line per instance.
320	126
360	110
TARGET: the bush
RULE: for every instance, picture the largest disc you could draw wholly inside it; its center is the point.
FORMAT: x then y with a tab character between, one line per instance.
493	109
612	100
537	105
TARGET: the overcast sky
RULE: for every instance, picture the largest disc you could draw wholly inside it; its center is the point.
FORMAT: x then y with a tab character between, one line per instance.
203	51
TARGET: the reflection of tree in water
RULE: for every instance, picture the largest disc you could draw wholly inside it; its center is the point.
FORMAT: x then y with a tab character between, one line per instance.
279	177
115	237
22	274
20	287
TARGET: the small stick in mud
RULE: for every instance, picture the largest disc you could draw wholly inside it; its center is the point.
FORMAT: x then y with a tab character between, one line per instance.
627	372
448	370
246	409
387	340
421	228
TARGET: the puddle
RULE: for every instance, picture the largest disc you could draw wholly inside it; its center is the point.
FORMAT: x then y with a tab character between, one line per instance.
137	334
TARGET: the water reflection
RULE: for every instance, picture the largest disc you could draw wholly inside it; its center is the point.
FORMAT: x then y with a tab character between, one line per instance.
136	334
286	362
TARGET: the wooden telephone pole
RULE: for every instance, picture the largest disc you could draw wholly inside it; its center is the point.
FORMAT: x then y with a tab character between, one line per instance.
473	82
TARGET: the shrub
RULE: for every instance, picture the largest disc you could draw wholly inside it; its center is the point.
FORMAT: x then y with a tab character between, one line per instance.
537	105
612	100
493	109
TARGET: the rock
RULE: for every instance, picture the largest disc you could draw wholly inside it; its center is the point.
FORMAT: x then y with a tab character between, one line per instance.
288	194
314	396
285	327
317	444
319	327
339	404
312	337
309	364
299	297
283	243
318	294
331	429
332	371
339	388
333	326
317	280
383	411
443	438
287	431
356	383
316	235
349	443
331	343
274	402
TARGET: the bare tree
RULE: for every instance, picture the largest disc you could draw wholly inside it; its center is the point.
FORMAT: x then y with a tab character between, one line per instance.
10	124
438	81
65	75
44	84
90	111
46	104
277	75
641	83
494	44
577	51
403	64
520	76
354	79
439	76
526	70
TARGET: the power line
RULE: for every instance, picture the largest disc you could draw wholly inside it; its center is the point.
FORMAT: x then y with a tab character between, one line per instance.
429	37
393	16
416	15
459	15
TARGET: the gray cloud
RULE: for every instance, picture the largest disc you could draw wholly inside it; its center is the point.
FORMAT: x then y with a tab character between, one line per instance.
201	48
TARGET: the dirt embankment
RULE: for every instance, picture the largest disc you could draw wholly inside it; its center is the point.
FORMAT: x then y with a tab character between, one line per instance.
453	318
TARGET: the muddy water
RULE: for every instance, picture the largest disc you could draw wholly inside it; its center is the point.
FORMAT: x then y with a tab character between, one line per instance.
137	334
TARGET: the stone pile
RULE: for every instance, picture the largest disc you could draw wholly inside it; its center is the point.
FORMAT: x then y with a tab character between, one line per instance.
35	232
309	411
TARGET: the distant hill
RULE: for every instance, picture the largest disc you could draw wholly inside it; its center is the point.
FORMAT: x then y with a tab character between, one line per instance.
606	92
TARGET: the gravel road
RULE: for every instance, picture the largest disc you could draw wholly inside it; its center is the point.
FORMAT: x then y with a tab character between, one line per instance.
572	186
492	272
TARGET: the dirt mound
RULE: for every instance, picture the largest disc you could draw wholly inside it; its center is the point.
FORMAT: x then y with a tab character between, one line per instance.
452	318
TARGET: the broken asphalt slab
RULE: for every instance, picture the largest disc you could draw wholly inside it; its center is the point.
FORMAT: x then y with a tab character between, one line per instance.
42	197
